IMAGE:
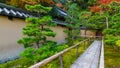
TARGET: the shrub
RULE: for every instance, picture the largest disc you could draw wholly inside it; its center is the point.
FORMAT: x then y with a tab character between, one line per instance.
31	55
110	39
118	43
68	58
48	49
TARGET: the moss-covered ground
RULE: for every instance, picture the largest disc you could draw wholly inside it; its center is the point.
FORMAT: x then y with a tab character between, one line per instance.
68	58
112	57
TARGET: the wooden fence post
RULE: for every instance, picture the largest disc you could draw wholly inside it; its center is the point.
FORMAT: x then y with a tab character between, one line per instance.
84	45
89	41
77	51
61	61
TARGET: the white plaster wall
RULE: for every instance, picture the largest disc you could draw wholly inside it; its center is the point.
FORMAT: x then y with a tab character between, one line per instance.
60	35
10	32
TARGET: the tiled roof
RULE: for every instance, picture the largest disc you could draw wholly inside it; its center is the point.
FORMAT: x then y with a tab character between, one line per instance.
58	12
19	13
62	12
15	12
59	22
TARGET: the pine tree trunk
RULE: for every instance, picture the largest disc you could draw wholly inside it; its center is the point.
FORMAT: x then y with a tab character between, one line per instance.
42	27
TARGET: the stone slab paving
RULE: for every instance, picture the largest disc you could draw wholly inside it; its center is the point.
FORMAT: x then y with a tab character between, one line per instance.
90	58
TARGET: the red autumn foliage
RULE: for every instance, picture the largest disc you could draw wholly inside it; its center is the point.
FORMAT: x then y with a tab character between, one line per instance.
64	8
104	1
95	9
118	0
48	1
98	9
37	2
30	2
59	5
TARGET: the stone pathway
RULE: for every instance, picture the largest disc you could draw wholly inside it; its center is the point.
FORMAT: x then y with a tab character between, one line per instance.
90	58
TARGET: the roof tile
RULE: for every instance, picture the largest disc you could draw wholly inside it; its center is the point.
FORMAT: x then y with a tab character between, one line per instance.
6	10
15	12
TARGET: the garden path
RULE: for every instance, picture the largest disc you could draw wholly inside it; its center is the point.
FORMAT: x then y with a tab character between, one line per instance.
90	58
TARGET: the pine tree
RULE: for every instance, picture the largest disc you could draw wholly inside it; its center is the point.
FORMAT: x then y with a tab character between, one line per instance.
73	23
35	32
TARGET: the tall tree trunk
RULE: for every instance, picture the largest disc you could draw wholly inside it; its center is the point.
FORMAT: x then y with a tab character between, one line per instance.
107	24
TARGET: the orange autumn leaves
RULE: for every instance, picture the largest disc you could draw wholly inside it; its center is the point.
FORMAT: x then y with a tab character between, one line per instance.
94	8
104	1
97	8
107	1
39	1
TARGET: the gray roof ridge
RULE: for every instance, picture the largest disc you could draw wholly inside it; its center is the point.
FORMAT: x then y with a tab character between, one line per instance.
22	11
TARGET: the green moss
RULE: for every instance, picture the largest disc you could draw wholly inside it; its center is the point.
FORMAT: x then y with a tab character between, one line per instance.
112	57
18	63
53	64
68	58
